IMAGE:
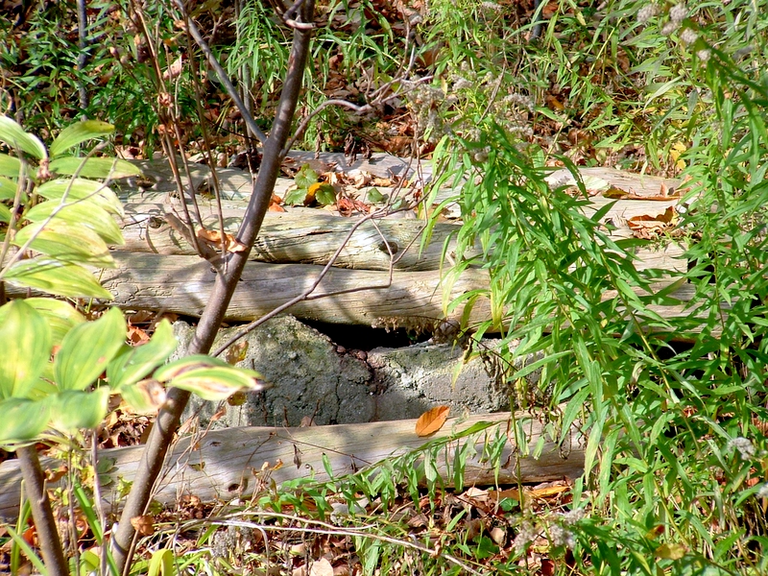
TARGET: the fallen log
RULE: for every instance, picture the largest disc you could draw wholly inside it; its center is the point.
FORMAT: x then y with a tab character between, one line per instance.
302	236
183	284
234	462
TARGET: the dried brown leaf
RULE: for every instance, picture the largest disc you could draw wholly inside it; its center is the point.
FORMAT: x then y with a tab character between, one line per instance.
432	420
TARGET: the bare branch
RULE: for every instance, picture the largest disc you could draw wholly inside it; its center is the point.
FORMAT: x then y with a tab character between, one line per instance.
221	73
229	271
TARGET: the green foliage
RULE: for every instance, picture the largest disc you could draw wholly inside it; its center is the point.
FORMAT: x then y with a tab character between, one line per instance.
42	76
309	189
675	473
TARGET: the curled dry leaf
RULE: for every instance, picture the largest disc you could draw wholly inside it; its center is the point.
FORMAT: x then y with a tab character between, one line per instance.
432	420
144	525
214	239
648	227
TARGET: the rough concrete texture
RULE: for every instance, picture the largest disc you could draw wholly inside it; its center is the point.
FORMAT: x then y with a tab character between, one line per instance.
311	377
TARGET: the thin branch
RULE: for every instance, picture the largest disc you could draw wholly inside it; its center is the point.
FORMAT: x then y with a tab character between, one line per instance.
45	524
229	272
306	294
221	73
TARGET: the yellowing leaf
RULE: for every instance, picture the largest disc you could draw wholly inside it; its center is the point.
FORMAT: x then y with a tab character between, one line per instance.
670	551
432	420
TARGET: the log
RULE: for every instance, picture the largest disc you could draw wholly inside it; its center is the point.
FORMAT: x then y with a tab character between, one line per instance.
226	464
302	236
183	284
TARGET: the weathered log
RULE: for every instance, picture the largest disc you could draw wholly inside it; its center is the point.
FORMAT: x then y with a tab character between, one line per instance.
226	464
301	236
183	284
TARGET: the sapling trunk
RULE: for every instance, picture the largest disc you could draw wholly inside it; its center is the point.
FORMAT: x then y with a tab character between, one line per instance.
42	514
228	270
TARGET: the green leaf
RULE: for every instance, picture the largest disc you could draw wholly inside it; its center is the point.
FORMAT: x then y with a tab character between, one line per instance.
144	397
56	277
26	342
73	134
10	166
81	189
72	409
77	244
5	214
23	420
134	363
305	177
217	383
60	316
177	367
162	563
326	194
13	135
8	189
295	197
87	350
112	168
85	213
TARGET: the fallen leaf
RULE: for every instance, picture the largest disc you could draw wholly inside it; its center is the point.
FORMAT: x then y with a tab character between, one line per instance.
214	239
648	227
144	525
432	420
174	69
670	551
321	568
237	352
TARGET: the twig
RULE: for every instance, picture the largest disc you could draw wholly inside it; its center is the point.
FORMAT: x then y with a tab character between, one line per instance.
330	529
221	73
45	524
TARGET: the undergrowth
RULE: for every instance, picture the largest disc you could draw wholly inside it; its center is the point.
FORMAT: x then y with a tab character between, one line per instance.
675	459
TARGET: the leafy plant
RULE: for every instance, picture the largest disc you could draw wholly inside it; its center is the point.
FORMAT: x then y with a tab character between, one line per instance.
673	428
51	373
309	189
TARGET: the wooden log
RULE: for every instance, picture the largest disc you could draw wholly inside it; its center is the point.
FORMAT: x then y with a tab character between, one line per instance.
303	236
226	464
183	284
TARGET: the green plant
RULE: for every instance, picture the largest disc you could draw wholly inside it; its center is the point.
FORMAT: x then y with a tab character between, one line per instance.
675	475
58	370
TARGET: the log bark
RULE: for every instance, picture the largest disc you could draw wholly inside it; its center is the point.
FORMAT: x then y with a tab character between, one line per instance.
233	463
301	236
183	285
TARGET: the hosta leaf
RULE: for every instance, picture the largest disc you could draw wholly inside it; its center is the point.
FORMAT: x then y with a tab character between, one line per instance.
87	350
85	213
134	363
22	421
60	316
9	166
94	167
7	189
72	410
81	189
177	367
13	135
26	342
78	244
218	382
145	397
56	277
78	132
